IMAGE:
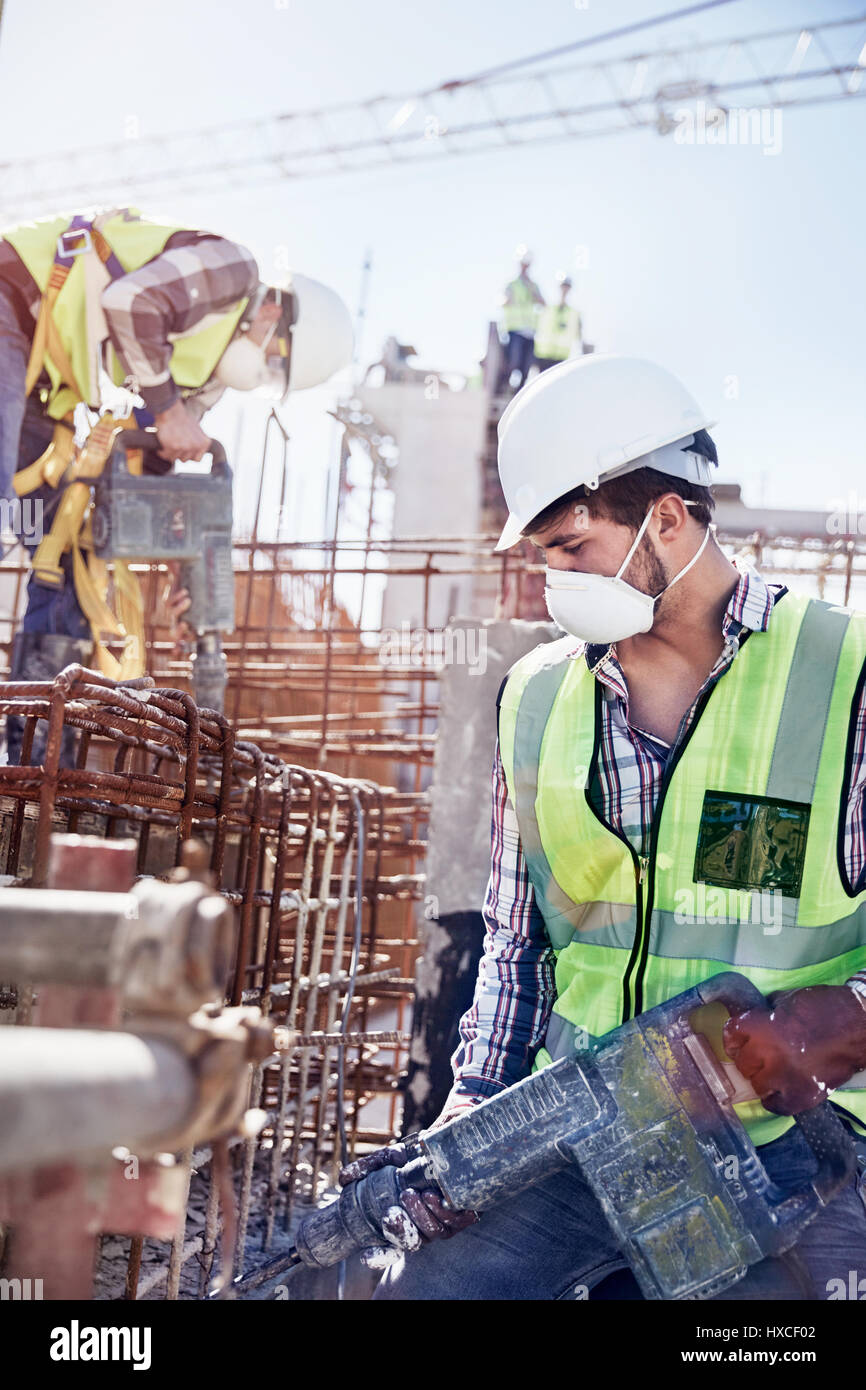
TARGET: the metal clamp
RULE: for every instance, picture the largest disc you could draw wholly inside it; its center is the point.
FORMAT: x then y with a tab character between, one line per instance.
219	1045
64	251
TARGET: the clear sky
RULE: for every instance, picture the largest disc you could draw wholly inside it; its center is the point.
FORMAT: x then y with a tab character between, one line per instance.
720	262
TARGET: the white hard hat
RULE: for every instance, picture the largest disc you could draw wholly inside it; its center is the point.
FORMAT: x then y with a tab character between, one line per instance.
523	254
322	337
588	420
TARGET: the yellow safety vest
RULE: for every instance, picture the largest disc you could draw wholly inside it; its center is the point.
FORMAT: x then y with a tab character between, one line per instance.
743	866
520	315
557	332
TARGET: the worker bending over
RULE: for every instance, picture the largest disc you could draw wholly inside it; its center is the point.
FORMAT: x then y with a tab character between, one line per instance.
174	314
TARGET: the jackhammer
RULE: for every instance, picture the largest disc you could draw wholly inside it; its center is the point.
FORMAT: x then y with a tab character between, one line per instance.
647	1114
176	516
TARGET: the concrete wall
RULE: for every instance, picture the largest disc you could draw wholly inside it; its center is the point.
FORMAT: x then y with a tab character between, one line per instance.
437	485
458	857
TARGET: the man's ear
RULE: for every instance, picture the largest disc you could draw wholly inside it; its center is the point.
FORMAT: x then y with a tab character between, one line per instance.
672	514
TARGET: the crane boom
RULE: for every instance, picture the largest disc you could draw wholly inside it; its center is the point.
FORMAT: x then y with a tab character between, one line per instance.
503	109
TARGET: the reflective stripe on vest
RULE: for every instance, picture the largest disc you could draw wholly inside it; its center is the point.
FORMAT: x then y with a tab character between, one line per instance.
519	316
134	241
557	332
770	738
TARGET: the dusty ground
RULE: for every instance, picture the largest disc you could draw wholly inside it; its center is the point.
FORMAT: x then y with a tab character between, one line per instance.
297	1284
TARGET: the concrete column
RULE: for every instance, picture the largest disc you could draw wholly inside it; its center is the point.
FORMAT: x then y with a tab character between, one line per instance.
458	857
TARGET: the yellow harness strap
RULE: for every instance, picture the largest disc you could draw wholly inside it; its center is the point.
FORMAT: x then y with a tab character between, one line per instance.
50	466
130	610
128	597
91	575
74	503
91	588
70	531
46	339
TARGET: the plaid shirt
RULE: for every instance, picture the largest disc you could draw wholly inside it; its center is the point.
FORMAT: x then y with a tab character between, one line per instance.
515	991
195	279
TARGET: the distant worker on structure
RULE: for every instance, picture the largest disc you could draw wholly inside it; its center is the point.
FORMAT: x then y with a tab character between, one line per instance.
559	331
175	315
522	301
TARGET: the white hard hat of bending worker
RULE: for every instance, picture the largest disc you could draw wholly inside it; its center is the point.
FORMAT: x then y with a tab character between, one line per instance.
322	336
308	342
587	421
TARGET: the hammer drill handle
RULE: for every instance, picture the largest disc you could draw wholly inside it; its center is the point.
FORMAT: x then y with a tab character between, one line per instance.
149	441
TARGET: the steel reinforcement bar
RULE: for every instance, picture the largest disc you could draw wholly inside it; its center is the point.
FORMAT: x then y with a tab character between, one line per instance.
321	871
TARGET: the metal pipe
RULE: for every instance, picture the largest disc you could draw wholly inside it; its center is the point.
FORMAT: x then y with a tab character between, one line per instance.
176	1258
250	1149
332	987
70	1093
312	999
77	946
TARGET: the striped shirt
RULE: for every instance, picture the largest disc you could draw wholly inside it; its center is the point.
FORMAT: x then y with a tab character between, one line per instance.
515	991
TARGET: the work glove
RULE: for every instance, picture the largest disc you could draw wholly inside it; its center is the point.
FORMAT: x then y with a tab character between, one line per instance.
808	1042
421	1216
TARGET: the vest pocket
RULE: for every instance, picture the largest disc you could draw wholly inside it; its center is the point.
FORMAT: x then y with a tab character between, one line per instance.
752	842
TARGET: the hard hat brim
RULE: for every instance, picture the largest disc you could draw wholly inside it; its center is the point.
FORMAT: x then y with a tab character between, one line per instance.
511	533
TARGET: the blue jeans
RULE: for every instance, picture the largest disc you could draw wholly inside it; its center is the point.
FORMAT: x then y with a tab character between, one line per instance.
14	350
552	1241
518	357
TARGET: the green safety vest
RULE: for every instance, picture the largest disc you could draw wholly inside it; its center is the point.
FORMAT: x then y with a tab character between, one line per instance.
134	241
520	315
743	869
558	330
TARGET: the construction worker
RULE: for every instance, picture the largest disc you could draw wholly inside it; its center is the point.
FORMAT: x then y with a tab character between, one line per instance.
521	301
684	683
558	331
173	314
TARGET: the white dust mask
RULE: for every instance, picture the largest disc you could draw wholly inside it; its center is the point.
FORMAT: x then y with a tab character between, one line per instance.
244	364
601	608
